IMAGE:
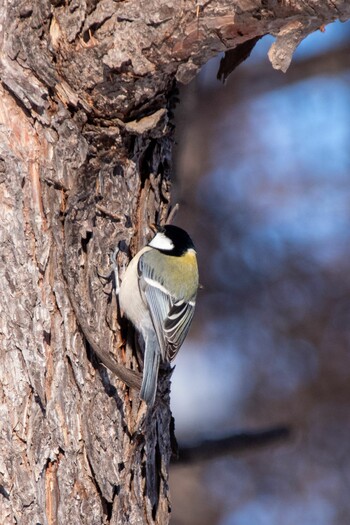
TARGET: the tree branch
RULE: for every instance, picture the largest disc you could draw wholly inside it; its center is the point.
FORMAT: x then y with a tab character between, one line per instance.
214	448
164	39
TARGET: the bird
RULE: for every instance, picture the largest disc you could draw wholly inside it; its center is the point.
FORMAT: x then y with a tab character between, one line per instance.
158	296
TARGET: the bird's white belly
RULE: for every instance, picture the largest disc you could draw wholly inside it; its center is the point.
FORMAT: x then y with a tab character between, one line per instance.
130	299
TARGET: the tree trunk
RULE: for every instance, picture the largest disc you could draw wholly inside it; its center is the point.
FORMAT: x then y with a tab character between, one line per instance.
85	159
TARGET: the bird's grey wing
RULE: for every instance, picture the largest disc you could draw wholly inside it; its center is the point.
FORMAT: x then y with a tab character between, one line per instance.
159	302
171	319
177	324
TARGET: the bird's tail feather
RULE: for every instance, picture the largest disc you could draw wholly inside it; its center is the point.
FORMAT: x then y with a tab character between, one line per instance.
150	370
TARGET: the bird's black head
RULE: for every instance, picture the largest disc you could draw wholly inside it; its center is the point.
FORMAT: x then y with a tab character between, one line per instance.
172	240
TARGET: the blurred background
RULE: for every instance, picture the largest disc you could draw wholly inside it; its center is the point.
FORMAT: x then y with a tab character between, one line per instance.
263	182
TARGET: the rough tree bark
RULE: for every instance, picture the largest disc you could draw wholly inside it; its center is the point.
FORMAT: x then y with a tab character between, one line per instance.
87	89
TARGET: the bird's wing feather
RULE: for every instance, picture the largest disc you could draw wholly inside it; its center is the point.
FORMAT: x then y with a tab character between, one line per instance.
159	305
171	318
177	324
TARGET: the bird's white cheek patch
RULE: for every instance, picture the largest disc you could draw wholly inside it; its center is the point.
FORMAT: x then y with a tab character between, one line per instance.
161	242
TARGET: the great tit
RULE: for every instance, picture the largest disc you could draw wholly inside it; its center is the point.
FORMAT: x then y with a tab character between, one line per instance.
158	295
